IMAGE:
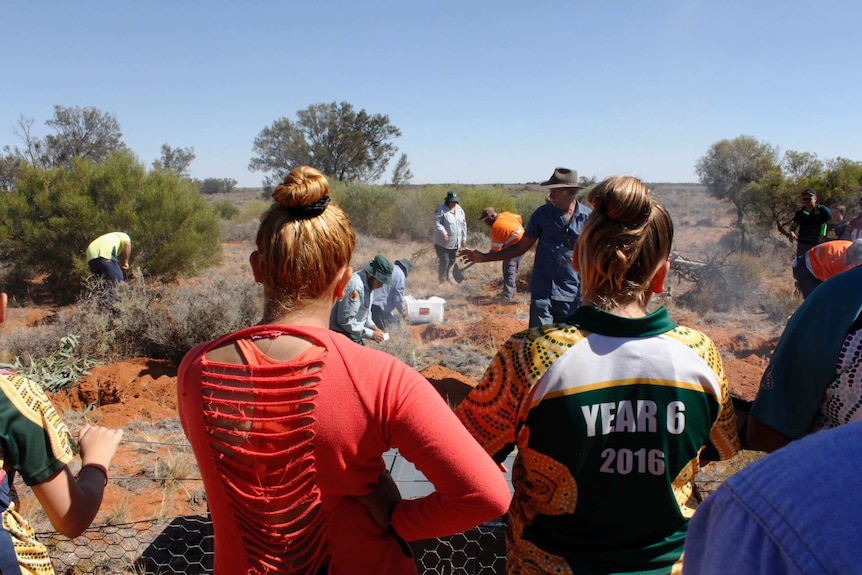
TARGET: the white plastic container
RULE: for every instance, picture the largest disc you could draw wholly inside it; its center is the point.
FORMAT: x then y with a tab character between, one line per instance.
425	310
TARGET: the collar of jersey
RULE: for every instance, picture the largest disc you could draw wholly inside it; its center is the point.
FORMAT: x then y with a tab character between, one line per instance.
599	321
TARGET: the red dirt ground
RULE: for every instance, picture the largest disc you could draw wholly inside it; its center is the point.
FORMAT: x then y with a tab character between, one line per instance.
144	391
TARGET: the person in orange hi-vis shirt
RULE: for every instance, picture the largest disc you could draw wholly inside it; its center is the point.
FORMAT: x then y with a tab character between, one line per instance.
506	229
824	261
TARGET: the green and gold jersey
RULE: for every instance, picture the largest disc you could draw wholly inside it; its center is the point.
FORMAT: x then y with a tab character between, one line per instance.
610	416
34	442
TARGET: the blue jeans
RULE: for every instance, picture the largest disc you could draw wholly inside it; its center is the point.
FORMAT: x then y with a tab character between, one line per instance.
545	311
108	269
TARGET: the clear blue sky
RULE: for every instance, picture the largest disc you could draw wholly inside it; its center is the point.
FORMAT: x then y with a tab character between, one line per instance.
483	91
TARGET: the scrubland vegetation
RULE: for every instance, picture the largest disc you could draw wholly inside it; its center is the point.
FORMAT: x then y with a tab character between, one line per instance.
161	316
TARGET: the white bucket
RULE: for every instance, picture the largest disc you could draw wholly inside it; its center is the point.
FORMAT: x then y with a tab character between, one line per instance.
425	310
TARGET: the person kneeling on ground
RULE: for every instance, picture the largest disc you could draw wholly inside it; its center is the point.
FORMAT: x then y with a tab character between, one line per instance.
389	298
351	315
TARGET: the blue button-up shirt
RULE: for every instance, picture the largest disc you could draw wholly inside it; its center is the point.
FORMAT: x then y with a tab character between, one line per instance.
553	276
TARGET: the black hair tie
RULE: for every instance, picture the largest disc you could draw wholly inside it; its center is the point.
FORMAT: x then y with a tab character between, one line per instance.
311	210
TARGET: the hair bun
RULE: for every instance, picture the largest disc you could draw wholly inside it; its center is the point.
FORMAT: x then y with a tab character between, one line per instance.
303	187
624	199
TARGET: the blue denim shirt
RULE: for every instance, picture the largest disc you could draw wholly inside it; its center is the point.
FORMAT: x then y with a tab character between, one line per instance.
553	276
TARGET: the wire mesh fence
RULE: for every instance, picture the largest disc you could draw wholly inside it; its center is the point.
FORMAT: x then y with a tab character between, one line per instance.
184	545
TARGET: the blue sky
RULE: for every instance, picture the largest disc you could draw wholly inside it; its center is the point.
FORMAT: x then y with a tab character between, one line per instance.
483	91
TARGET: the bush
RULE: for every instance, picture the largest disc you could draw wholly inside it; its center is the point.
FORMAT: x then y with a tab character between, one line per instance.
732	284
144	319
385	212
53	214
226	210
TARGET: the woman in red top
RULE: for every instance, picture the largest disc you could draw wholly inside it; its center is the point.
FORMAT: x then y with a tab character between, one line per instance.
289	420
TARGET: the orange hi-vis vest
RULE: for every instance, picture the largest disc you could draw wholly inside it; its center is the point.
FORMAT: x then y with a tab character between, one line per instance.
506	230
828	259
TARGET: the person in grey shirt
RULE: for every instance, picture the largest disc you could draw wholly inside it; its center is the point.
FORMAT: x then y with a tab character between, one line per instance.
351	315
450	234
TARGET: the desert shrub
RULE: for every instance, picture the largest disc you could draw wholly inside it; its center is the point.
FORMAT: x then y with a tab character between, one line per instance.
177	232
252	210
373	210
216	185
465	359
52	215
150	319
779	304
526	204
236	231
725	285
56	370
385	212
225	209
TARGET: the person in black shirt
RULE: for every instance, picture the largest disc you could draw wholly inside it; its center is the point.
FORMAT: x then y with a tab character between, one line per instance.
810	221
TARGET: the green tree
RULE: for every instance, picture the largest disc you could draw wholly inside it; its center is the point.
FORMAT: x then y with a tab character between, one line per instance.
176	160
216	185
333	138
401	174
842	181
86	133
730	166
78	132
10	170
52	214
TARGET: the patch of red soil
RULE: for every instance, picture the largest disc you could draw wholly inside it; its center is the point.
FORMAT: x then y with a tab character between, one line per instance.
450	384
139	389
494	329
745	357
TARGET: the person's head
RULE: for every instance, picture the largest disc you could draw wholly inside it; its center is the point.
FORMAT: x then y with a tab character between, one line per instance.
809	198
622	252
451	199
304	243
563	186
379	272
489	215
405	265
838	212
854	253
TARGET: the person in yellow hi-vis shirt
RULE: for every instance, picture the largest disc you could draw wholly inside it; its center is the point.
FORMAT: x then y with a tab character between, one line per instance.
108	256
506	230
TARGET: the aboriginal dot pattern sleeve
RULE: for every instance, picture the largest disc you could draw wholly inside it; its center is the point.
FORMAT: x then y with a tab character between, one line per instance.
610	416
36	443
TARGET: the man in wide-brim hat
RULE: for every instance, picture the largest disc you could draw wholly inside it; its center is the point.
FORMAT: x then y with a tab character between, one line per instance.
555	287
450	234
